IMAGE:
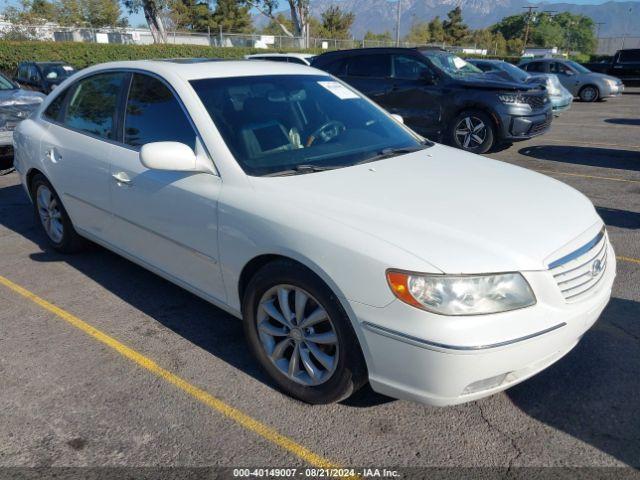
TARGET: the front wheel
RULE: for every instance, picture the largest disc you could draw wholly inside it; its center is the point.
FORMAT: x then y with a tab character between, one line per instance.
301	335
472	131
589	94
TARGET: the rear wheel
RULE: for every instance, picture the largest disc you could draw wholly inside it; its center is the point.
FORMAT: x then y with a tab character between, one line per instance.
589	93
53	218
473	131
301	335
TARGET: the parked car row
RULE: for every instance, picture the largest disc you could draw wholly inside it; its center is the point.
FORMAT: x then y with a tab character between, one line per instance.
352	248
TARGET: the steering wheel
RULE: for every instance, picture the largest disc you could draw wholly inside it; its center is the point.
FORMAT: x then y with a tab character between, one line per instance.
326	132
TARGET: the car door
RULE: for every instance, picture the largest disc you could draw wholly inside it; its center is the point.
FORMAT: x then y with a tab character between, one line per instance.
76	148
567	77
627	66
414	95
166	219
370	74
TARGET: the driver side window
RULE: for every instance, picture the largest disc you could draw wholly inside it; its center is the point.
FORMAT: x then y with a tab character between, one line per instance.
409	68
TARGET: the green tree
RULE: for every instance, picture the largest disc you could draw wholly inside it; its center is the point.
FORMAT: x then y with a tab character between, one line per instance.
378	37
336	23
418	34
153	11
455	30
274	27
436	30
232	16
565	30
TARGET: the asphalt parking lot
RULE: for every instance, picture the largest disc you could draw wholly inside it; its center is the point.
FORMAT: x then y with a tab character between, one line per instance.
69	396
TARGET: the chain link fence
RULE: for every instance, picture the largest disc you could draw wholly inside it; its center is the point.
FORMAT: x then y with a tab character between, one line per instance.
142	36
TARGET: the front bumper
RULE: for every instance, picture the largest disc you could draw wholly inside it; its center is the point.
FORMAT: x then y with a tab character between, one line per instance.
6	138
613	91
561	103
439	360
521	124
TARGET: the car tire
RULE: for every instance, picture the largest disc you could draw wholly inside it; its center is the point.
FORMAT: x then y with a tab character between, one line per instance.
53	218
315	373
472	131
589	93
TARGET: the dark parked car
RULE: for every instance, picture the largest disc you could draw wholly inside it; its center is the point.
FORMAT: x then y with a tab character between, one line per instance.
560	97
42	76
580	81
625	65
443	97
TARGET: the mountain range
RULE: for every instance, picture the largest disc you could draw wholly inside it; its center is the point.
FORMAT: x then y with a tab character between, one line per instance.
380	15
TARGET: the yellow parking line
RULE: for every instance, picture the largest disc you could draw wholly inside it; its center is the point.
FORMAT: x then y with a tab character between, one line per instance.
596	177
209	400
628	259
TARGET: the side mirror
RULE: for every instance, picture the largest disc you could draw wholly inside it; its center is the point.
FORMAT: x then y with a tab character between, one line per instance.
173	156
398	118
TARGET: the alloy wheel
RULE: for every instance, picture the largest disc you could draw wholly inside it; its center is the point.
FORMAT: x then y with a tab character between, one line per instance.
297	335
50	214
589	94
470	132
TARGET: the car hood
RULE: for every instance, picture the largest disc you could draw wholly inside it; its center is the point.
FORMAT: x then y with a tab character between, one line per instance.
491	81
461	213
20	97
596	75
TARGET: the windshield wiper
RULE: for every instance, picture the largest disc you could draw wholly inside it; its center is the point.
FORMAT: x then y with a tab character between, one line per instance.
393	152
300	170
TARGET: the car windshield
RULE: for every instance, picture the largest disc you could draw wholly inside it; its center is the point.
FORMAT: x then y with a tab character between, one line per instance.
579	68
514	71
56	72
451	64
6	84
287	124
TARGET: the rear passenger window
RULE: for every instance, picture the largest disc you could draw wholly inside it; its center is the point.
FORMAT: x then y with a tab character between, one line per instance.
154	115
369	66
535	67
92	108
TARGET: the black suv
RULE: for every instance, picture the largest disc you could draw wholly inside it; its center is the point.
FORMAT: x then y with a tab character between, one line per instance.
42	76
443	97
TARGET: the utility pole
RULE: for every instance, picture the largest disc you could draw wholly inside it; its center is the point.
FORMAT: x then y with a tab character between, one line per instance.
598	29
530	9
398	25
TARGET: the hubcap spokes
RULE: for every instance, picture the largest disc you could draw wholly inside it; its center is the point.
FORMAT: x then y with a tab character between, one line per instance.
297	335
49	213
470	132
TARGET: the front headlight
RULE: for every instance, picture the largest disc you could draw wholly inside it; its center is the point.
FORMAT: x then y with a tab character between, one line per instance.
611	83
513	99
462	294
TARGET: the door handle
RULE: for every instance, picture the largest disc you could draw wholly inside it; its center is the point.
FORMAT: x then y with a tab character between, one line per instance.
122	178
50	155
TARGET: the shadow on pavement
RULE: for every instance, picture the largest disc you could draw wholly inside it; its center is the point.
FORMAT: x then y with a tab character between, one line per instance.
624	121
593	393
197	321
595	157
619	218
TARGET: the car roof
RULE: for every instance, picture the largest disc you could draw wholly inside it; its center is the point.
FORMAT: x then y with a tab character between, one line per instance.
193	70
305	56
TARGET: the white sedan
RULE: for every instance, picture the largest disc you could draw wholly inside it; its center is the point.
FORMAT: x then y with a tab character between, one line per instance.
351	248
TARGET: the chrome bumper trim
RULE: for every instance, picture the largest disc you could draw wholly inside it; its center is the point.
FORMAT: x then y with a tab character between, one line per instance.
419	342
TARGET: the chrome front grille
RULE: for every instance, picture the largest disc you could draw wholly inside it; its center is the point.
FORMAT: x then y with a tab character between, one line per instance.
580	271
536	101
